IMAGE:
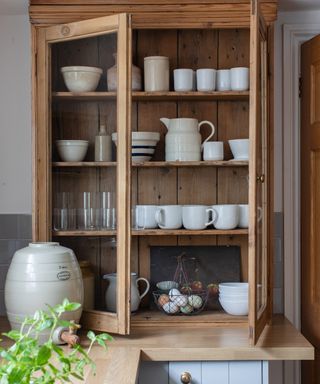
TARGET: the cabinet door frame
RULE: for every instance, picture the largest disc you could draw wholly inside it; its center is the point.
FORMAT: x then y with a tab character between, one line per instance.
43	37
258	120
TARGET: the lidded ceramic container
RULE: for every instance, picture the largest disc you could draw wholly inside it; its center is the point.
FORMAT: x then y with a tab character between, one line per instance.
112	77
40	274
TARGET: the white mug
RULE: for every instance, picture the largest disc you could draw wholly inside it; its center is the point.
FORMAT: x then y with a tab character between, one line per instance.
213	150
183	80
206	79
196	217
223	82
239	79
144	217
169	216
225	216
243	216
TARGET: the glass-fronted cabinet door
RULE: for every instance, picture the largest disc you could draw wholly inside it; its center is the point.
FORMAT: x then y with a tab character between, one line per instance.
258	177
82	162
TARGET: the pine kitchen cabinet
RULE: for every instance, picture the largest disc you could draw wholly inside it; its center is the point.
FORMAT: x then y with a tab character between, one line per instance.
193	34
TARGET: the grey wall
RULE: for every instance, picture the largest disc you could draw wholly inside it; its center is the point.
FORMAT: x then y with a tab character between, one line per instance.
15	233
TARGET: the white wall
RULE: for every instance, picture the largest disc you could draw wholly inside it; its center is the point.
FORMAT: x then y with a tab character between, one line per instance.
15	115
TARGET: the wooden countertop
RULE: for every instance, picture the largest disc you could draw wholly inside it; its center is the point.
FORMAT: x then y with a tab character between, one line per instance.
279	341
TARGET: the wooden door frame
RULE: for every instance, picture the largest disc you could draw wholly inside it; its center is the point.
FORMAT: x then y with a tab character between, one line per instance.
293	36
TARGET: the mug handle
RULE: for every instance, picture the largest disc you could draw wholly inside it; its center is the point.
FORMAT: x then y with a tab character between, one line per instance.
159	217
212	131
147	287
214	216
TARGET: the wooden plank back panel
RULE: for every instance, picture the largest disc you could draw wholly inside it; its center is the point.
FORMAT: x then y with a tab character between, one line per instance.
233	123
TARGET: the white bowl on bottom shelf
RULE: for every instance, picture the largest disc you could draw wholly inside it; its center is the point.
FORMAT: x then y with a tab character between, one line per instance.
235	307
72	150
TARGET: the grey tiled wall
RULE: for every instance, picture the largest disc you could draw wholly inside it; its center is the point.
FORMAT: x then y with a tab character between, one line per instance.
278	264
15	233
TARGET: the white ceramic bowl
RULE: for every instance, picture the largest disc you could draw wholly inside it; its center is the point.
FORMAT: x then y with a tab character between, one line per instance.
167	285
72	150
235	307
233	288
143	145
240	149
80	78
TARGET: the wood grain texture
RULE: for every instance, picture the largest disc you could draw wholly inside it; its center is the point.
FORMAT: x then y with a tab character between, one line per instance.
147	14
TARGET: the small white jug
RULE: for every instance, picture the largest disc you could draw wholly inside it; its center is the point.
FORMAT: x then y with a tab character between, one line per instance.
183	140
111	292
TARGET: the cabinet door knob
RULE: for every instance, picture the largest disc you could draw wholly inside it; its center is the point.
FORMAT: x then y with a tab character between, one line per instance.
185	378
261	178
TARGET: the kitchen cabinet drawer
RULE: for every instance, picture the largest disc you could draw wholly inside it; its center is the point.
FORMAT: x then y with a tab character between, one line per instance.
205	372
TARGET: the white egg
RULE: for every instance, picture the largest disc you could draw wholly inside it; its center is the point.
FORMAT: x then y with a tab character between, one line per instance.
195	301
170	308
180	301
174	292
186	309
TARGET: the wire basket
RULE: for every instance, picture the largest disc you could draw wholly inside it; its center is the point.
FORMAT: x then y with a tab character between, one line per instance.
181	304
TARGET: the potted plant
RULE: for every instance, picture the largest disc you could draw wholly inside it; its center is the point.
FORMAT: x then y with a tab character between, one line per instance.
29	360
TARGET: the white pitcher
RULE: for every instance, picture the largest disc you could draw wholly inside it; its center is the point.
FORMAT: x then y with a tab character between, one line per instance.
183	140
111	292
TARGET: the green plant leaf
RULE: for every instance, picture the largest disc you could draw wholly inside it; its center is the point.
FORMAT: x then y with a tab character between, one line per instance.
91	335
13	335
72	307
44	355
105	336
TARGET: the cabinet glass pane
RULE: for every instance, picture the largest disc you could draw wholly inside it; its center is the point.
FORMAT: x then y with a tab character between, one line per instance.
84	160
261	208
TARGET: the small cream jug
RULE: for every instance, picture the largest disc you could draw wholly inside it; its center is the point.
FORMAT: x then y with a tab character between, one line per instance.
111	292
183	140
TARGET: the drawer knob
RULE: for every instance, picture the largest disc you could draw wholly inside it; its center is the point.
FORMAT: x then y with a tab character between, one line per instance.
185	378
261	178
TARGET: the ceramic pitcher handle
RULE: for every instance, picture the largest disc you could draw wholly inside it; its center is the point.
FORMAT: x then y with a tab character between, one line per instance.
212	131
147	288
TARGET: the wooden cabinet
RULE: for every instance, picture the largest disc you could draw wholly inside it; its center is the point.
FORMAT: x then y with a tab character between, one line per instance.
205	372
193	35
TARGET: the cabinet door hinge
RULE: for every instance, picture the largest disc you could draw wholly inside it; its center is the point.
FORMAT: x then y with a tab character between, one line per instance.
300	87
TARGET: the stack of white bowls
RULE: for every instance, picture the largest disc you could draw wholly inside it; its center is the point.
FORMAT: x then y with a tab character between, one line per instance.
234	298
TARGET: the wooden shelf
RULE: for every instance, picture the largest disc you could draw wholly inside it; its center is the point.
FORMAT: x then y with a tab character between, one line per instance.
81	233
153	96
205	318
153	232
154	164
188	232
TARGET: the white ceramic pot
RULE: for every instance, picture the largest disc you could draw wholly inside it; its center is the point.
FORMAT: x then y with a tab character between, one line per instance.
111	292
112	77
40	274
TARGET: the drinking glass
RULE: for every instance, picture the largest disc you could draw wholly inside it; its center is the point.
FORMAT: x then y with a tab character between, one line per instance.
64	216
88	212
108	210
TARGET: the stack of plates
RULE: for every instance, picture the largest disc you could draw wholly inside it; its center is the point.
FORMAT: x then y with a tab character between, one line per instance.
143	145
234	298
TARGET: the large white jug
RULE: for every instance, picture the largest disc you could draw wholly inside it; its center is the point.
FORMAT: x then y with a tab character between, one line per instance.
111	292
183	140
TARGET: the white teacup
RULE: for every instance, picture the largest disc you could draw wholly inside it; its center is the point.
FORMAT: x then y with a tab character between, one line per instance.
225	216
169	216
183	80
206	80
223	82
144	217
239	79
243	215
196	217
213	150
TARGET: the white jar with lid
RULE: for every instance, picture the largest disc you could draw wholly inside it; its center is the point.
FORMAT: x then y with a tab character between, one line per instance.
156	74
